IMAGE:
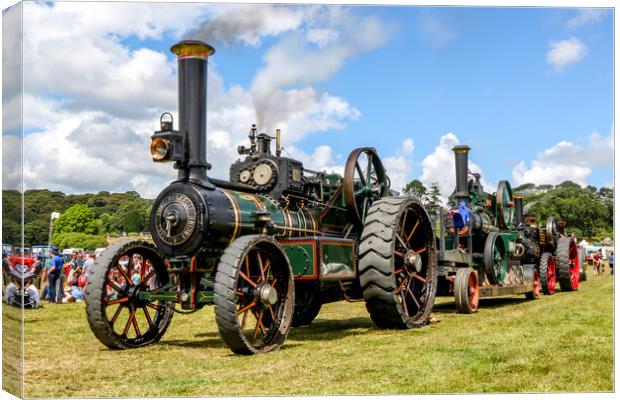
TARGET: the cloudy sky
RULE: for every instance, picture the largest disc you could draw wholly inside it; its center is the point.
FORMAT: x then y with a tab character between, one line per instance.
529	89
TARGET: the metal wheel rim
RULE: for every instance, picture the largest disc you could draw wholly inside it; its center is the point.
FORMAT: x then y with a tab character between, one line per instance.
119	295
473	292
259	323
372	178
412	286
551	275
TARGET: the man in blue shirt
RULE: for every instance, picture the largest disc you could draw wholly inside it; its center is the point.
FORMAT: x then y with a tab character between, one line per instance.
54	272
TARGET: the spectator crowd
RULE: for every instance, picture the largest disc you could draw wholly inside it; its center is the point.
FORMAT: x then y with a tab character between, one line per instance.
57	279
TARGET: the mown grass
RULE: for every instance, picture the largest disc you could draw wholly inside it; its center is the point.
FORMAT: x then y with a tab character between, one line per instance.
559	343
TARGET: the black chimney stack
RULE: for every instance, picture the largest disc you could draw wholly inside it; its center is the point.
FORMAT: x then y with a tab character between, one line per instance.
192	56
518	199
461	163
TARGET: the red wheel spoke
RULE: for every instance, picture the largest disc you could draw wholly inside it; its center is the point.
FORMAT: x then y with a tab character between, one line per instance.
266	269
129	321
398	271
136	328
153	306
142	270
398	253
122	271
403	297
252	304
402	284
260	266
113	285
240	294
149	275
262	327
116	314
418	277
413	230
402	242
273	316
256	328
247	265
248	280
402	226
422	250
117	301
417	303
148	316
245	316
273	283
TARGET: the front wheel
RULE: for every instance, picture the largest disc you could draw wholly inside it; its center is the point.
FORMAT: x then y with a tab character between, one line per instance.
116	313
466	291
546	273
254	295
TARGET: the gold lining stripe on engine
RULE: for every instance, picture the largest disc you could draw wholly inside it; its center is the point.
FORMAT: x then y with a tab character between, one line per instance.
236	212
302	211
314	225
257	202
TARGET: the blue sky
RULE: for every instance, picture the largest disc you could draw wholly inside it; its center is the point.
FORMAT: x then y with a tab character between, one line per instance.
526	88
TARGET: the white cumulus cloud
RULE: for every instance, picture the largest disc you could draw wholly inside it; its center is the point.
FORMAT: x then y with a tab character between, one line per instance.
566	52
585	16
438	167
567	161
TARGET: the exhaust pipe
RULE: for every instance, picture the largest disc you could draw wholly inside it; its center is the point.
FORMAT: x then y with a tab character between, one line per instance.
192	56
461	161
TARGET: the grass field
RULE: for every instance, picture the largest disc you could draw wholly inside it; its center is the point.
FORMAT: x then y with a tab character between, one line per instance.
560	343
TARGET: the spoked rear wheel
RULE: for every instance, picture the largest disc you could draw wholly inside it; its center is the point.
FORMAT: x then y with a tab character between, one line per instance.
546	273
568	264
398	264
254	295
116	313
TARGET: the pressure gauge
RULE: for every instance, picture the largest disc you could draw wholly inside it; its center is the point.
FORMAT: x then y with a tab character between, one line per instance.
245	176
262	174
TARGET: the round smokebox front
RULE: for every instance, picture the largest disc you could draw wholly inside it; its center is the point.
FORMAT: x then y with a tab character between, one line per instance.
175	218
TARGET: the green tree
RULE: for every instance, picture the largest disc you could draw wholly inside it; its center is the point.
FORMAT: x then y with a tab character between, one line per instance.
434	195
78	218
79	240
416	189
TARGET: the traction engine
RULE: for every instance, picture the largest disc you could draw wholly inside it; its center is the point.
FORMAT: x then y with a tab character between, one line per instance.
267	247
479	253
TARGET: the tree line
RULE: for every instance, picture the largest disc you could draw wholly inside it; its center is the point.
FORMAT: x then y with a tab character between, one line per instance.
587	211
85	220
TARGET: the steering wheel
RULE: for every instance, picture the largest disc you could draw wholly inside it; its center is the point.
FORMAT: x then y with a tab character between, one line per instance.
505	205
364	182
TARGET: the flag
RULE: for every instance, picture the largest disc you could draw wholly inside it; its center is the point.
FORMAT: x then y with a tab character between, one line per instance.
55	215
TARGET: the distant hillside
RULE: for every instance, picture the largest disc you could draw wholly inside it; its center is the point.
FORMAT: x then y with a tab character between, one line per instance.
113	213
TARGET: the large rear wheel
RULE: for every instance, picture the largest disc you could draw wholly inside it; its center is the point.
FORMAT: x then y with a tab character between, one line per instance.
254	295
398	263
568	264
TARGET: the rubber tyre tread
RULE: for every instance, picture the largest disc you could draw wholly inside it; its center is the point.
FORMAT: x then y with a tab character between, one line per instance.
583	273
94	295
563	265
543	266
225	299
375	268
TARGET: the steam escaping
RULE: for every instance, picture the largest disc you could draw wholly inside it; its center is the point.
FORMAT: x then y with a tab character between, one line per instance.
247	24
314	43
294	61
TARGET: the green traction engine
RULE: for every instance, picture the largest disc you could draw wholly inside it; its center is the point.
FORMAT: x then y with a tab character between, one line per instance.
267	247
546	245
479	251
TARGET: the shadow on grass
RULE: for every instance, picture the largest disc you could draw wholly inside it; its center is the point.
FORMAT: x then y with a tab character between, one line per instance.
331	329
498	302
